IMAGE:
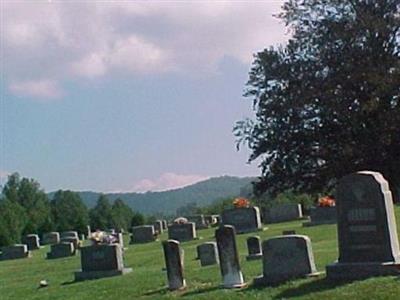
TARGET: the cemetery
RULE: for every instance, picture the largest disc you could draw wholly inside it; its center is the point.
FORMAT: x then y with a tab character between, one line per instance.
129	113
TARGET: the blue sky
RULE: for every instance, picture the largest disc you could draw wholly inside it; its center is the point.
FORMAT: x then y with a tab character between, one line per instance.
127	96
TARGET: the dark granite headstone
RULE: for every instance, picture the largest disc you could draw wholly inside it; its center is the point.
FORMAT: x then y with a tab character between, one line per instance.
32	241
232	276
208	254
246	219
71	239
182	232
158	226
164	224
286	257
102	260
51	238
69	234
367	233
61	250
322	215
198	220
254	248
282	213
14	252
174	262
143	234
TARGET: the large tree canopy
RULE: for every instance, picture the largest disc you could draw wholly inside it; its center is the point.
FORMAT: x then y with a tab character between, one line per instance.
327	103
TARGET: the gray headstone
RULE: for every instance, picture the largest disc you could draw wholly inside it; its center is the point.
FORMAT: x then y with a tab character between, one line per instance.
88	232
208	253
32	241
198	220
367	233
61	250
232	276
286	257
182	232
102	260
254	248
246	219
143	234
14	252
158	226
211	219
51	238
282	213
174	263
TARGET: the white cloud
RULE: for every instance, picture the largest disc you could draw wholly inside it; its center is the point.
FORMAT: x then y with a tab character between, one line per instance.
167	181
63	40
42	89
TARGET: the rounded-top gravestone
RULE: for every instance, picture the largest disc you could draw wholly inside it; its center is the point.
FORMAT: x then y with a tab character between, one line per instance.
367	233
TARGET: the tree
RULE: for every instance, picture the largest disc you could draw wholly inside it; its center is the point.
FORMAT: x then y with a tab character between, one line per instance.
328	103
137	219
121	215
69	212
12	222
101	214
28	194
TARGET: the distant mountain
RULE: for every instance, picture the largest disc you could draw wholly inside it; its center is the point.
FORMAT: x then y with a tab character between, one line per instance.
166	202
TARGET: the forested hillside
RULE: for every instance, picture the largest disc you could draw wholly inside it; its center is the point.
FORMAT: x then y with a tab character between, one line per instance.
201	193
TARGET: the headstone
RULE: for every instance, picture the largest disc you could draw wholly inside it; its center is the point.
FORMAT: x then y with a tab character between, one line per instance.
164	224
282	213
14	252
143	234
286	257
244	219
158	226
322	215
120	239
288	232
232	276
254	248
69	234
367	233
182	232
208	253
174	262
74	240
51	238
211	219
198	220
101	260
32	241
61	250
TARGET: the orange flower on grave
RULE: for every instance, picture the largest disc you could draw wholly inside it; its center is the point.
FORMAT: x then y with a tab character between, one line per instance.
326	201
241	202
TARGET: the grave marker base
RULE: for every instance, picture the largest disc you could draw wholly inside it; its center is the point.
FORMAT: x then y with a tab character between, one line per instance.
80	276
254	256
266	281
353	271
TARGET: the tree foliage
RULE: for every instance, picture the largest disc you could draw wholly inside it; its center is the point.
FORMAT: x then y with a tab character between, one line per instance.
327	103
69	212
12	222
121	215
101	214
28	194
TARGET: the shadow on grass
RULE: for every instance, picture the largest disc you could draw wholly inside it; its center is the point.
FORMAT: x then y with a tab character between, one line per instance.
161	291
317	285
202	291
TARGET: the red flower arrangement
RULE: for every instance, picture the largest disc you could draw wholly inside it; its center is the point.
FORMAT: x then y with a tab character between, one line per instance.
326	201
241	202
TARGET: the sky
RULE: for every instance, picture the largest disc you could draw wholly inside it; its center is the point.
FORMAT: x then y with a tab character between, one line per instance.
128	95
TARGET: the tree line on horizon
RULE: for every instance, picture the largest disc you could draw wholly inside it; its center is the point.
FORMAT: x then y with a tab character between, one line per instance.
26	209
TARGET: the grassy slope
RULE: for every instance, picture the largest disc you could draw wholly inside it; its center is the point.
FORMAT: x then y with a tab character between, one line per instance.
19	279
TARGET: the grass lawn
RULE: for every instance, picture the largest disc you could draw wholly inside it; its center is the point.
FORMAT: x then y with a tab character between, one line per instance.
19	279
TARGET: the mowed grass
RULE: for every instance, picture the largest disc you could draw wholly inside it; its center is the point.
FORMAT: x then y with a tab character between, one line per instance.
19	279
